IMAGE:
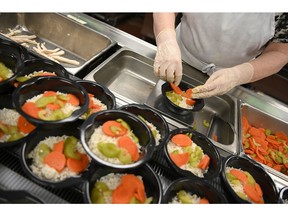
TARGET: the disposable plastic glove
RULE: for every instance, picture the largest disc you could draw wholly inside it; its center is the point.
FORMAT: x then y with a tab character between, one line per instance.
168	63
224	80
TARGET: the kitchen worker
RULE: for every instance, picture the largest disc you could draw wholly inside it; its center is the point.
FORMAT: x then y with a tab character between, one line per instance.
232	48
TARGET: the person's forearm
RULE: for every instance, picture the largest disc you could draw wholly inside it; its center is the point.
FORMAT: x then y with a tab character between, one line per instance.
162	21
271	61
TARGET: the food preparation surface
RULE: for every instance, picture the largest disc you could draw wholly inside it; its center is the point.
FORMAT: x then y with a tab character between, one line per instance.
54	31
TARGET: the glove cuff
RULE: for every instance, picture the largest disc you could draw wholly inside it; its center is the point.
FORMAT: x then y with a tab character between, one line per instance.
166	35
246	72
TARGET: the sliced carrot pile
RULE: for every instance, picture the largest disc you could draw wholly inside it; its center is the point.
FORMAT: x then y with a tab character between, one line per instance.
180	159
127	143
265	146
181	140
113	128
56	160
130	186
24	125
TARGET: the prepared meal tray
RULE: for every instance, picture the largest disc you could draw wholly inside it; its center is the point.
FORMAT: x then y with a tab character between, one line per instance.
55	36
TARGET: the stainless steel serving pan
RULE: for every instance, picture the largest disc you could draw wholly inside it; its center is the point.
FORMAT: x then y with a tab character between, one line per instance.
62	31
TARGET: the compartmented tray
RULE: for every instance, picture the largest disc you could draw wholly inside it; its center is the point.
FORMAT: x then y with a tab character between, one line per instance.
55	30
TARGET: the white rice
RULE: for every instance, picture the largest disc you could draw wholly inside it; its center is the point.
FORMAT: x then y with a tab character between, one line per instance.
42	170
9	117
236	188
196	171
67	109
112	180
153	127
194	199
97	137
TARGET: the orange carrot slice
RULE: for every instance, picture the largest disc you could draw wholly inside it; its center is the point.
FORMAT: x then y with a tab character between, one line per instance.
78	166
73	100
59	146
133	181
45	74
175	88
258	189
251	193
24	125
181	140
188	93
113	128
239	175
190	101
204	162
55	160
203	201
49	93
215	137
122	195
53	106
31	109
180	159
127	143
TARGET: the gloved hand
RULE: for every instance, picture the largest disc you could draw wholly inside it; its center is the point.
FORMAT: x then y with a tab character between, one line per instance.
222	81
168	63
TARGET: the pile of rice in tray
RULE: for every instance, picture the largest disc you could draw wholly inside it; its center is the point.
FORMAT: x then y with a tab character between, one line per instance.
42	170
9	117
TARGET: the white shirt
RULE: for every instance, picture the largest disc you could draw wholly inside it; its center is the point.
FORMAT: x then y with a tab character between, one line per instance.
210	41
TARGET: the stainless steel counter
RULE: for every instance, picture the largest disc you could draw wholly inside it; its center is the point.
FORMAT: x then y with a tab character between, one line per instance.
268	105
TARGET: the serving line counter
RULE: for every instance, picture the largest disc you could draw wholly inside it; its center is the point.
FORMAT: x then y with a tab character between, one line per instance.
223	112
125	66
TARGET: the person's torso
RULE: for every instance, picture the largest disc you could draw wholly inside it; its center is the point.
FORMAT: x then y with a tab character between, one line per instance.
223	39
